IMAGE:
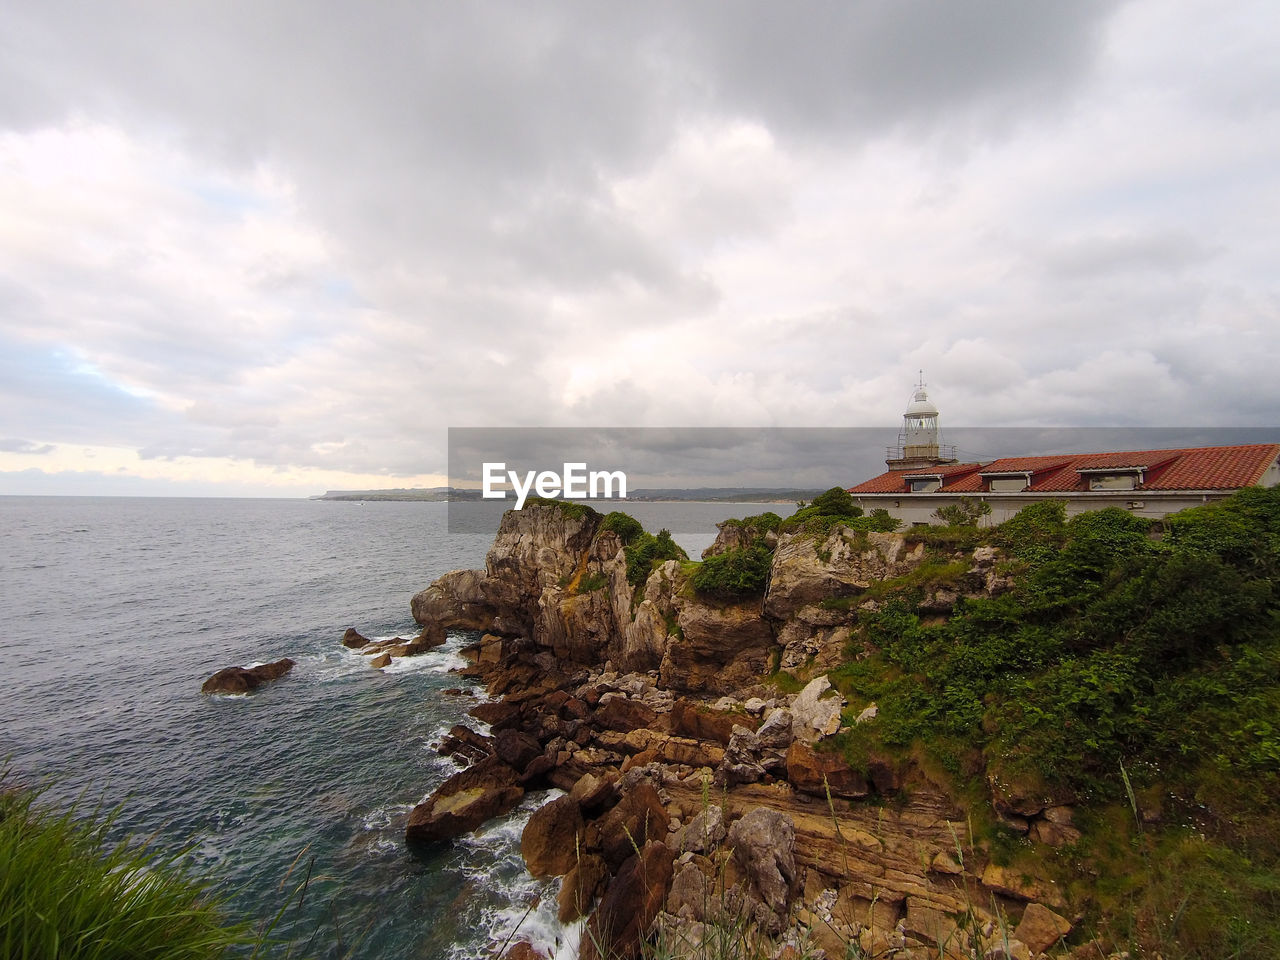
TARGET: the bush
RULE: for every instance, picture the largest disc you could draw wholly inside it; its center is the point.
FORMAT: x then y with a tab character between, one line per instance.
646	550
66	892
624	525
834	504
965	513
734	573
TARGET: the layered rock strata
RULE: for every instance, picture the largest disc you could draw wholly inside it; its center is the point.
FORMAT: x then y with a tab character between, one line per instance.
694	796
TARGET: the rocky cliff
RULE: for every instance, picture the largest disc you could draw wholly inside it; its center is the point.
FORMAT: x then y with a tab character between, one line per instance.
700	795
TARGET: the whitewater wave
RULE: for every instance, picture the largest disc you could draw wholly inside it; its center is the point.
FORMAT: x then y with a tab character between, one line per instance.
511	905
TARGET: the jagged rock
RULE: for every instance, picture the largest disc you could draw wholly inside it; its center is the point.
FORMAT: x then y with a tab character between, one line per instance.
752	754
623	715
463	599
702	834
465	801
1041	928
465	743
244	679
730	536
593	794
552	839
580	886
637	818
755	706
817	773
814	714
380	661
630	904
763	844
353	639
516	749
499	714
724	646
843	564
868	713
692	892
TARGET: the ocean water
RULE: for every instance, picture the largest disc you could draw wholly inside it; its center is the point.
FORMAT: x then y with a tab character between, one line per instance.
114	612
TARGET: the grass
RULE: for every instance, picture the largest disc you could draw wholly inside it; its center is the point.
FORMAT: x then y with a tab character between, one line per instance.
66	891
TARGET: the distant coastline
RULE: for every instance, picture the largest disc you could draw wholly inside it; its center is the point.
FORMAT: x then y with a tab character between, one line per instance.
649	495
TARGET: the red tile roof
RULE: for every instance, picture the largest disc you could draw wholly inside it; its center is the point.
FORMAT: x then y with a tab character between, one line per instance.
1191	468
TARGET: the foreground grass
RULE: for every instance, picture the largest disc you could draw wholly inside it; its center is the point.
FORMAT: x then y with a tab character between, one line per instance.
67	892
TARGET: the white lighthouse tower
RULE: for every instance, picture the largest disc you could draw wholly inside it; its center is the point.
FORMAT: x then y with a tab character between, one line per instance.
918	443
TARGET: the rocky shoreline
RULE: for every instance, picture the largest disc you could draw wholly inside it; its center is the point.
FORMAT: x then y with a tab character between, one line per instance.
697	796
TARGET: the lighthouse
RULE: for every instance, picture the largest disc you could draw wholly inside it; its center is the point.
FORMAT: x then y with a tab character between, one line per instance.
918	443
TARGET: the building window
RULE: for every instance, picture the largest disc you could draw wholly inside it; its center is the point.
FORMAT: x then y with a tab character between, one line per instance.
1113	481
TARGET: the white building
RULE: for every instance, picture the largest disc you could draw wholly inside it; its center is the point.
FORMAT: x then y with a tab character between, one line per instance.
924	475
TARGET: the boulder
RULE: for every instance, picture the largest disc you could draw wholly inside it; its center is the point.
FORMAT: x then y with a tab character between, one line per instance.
631	902
638	818
464	802
692	894
752	754
516	749
703	833
552	839
1022	886
621	714
816	711
1041	928
763	843
380	661
817	773
244	679
580	886
353	639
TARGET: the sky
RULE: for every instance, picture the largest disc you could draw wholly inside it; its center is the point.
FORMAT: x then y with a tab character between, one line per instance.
269	249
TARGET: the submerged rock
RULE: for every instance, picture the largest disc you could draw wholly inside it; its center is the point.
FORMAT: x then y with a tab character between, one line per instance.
244	679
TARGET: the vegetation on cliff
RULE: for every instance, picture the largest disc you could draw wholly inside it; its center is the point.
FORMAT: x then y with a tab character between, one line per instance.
1134	669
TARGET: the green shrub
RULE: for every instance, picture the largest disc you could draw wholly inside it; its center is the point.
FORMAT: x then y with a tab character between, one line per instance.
592	582
67	892
827	508
646	550
572	509
624	525
735	573
964	513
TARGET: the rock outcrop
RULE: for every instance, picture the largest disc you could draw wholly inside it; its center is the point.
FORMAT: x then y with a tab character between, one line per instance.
694	795
244	679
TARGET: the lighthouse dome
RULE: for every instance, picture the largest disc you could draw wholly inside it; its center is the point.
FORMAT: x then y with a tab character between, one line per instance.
921	406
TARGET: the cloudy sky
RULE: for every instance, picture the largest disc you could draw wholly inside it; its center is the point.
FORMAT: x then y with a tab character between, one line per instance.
275	248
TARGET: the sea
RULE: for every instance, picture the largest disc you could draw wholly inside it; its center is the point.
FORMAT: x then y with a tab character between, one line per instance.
291	799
